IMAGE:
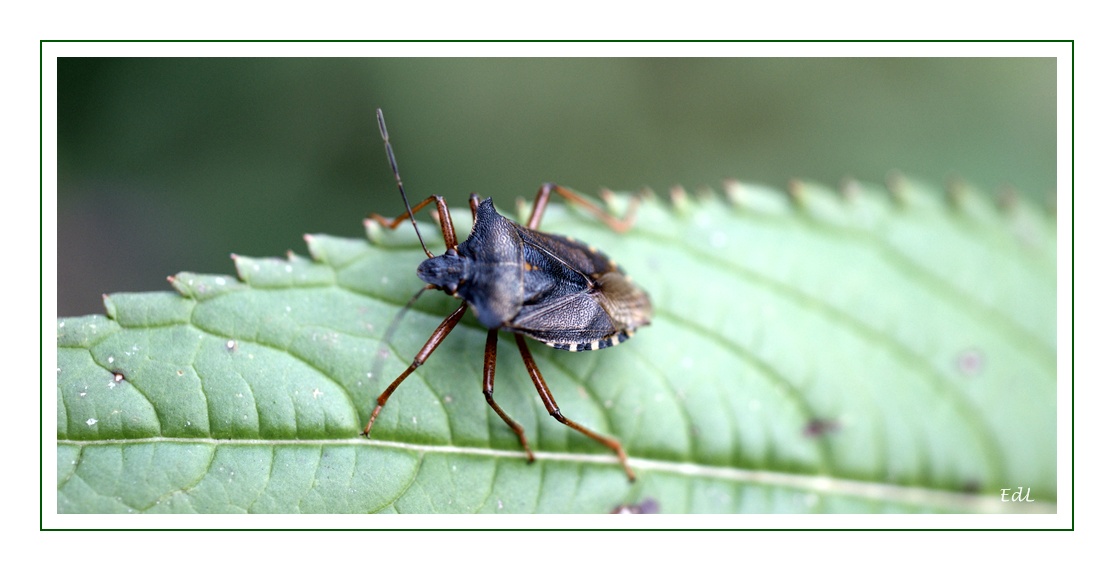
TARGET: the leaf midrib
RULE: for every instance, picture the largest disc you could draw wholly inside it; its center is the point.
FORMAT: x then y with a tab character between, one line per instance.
928	498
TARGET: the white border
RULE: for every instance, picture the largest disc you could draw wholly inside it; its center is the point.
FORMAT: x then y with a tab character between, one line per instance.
49	129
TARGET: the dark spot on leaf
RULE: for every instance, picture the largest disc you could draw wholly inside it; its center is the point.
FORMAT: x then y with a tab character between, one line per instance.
970	362
648	506
818	427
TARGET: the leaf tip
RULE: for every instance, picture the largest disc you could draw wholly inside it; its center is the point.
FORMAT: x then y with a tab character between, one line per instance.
178	285
850	188
734	191
1050	203
109	305
1007	199
898	187
373	230
314	247
796	192
679	198
958	192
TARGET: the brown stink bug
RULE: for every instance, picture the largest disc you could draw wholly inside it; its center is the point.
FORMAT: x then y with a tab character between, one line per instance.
555	289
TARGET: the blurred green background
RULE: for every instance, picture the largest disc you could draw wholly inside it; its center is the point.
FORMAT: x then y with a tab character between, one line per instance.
172	164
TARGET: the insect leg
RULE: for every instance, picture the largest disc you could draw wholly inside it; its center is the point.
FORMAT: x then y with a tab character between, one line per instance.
384	341
442	216
555	412
474	202
542	200
489	391
438	336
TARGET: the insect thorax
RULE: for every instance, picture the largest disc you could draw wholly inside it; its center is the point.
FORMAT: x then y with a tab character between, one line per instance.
549	288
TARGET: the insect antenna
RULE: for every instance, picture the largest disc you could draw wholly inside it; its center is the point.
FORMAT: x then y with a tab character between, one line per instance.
398	178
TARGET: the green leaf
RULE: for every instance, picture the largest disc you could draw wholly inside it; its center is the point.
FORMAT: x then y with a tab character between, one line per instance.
875	350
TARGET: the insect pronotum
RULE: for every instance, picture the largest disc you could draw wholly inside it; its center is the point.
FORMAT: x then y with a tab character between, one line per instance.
554	289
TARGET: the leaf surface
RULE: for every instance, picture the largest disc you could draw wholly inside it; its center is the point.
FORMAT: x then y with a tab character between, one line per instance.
879	350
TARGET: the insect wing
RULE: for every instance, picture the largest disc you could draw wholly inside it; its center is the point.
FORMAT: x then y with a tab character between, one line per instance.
576	299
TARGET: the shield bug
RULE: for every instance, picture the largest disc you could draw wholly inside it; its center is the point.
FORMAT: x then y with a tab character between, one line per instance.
554	289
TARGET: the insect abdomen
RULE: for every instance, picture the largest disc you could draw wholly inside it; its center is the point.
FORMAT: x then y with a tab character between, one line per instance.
592	345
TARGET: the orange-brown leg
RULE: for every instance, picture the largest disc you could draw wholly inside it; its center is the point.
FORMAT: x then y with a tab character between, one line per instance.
489	392
438	336
542	200
474	202
443	217
555	412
